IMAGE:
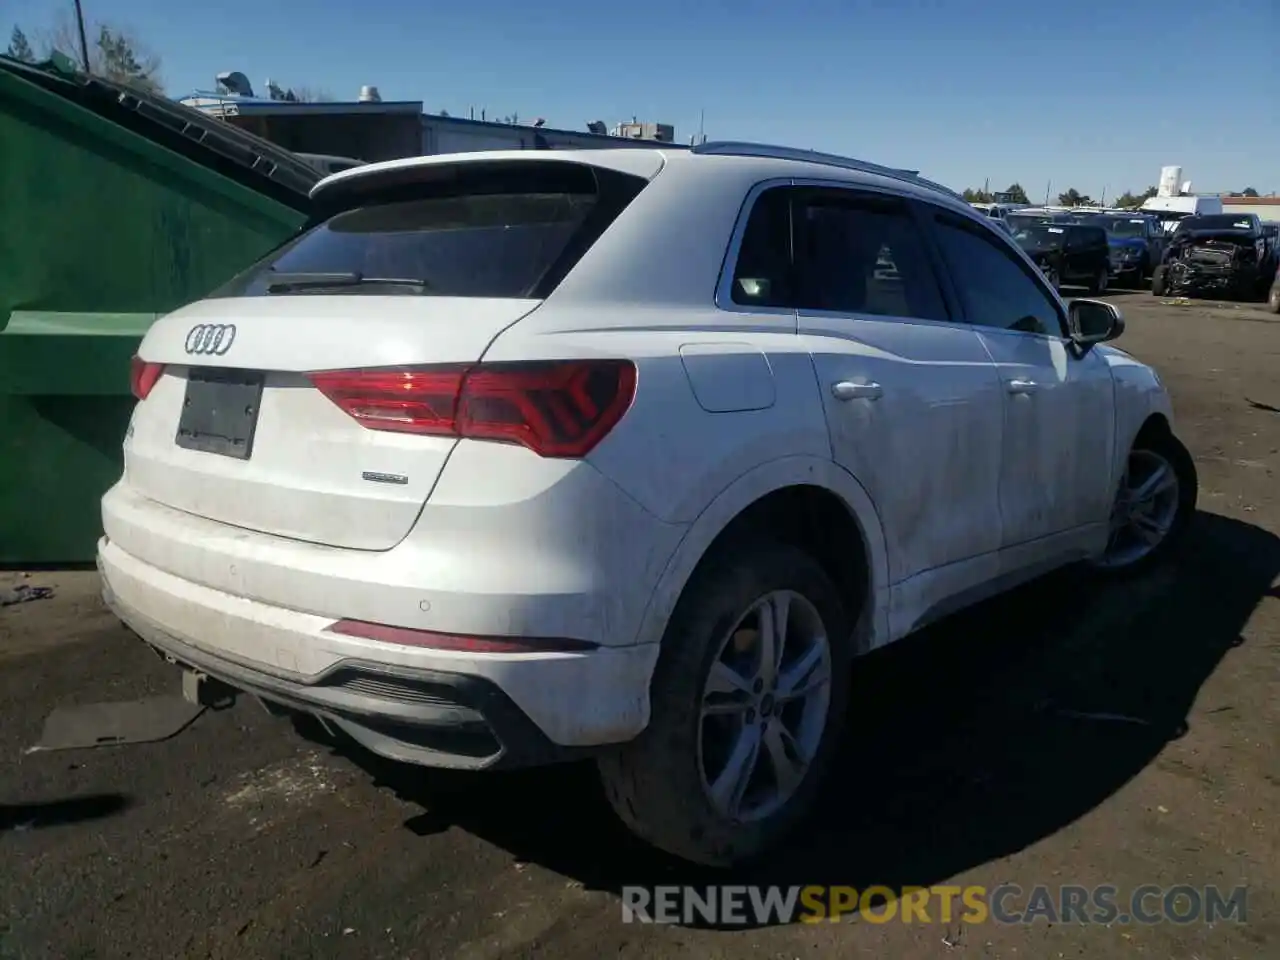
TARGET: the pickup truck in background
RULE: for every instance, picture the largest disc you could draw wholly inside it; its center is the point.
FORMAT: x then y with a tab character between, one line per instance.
1221	255
1137	243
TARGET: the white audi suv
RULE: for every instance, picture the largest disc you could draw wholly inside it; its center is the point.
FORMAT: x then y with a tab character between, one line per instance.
515	457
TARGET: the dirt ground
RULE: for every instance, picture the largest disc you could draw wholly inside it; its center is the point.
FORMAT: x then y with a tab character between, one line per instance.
1060	735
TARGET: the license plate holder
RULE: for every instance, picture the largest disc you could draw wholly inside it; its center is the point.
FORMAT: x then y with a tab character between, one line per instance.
220	412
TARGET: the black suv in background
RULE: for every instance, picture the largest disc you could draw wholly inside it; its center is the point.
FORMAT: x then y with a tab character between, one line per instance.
1068	253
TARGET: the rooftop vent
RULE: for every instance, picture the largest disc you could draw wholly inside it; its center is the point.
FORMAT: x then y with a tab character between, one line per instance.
233	81
370	94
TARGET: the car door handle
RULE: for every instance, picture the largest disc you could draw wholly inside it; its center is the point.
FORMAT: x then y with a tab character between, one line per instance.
847	390
1022	386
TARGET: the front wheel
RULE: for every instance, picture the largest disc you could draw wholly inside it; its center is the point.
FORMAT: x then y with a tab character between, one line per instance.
746	705
1099	283
1153	506
1273	299
1159	281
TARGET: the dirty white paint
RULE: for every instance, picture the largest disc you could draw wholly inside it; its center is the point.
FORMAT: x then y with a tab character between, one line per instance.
954	482
927	448
305	477
1058	441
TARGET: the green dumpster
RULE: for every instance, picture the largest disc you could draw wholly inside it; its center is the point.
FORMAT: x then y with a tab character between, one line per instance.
105	224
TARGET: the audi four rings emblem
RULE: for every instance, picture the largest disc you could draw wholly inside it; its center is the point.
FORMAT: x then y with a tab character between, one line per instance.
211	339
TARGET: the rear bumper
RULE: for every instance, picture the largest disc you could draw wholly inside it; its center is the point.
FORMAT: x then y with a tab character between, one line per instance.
432	707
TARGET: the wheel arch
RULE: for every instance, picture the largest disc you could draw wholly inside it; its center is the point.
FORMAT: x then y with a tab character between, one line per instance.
1155	425
787	487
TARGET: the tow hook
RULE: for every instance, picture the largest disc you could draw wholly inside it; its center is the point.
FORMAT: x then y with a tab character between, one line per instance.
204	691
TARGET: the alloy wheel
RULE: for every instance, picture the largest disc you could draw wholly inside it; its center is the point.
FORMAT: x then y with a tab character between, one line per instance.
764	707
1145	510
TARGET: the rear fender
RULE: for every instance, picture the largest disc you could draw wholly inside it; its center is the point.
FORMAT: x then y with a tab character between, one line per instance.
746	490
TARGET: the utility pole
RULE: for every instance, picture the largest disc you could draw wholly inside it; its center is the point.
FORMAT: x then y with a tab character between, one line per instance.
84	44
1047	187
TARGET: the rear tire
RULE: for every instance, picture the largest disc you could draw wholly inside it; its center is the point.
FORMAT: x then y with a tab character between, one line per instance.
1098	285
666	784
1273	299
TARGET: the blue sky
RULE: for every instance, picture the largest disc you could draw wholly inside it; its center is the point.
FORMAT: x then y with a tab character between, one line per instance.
1082	93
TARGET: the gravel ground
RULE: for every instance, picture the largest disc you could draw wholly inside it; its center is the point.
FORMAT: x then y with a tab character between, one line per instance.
975	756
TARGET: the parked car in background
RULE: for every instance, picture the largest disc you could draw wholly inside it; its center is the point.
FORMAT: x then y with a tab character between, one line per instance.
1031	216
997	211
484	471
1068	253
1222	255
1137	245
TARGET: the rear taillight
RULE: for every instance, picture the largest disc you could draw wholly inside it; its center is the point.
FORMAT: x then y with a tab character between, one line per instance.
560	408
143	376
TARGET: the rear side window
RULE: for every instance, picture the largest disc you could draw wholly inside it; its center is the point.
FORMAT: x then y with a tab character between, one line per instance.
762	275
506	230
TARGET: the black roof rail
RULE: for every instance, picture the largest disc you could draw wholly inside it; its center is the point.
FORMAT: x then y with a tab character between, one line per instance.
734	148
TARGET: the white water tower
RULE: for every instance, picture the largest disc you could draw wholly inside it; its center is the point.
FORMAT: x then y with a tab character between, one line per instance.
1170	179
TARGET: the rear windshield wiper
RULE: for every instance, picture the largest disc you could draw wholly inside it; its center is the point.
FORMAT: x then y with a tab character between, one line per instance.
284	282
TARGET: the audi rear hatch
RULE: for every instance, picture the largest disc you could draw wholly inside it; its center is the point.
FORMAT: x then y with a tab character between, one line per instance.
317	395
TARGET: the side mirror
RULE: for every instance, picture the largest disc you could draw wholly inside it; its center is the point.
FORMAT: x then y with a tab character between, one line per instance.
1094	321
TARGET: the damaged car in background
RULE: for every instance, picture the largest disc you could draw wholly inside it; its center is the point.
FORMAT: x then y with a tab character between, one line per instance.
1225	255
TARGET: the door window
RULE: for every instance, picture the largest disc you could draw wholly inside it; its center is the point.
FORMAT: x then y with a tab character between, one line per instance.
863	253
995	287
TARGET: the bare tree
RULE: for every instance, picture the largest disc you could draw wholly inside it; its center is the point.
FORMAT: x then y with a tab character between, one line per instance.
19	47
115	52
1074	198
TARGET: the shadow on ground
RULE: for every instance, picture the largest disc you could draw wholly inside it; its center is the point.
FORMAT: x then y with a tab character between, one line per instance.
33	816
967	742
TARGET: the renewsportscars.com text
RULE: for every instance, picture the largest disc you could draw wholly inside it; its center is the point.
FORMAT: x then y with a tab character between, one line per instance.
1006	904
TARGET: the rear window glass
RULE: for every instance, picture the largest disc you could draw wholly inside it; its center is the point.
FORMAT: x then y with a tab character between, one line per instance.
505	236
1216	222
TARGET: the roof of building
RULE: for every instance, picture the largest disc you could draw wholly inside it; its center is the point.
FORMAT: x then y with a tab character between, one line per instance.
249	106
235	105
1251	201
